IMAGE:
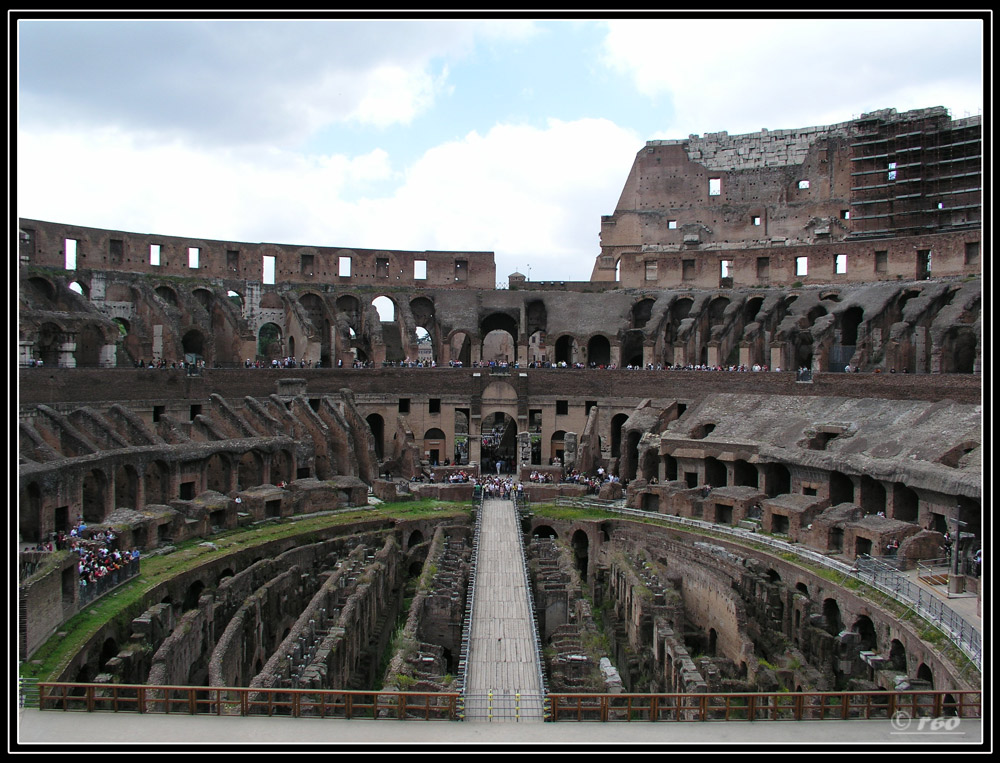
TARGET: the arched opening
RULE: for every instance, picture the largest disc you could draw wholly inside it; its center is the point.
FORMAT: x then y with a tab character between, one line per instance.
962	342
897	656
872	495
29	521
415	539
865	628
631	349
217	473
545	532
79	288
236	300
167	294
557	447
632	456
833	623
905	503
204	297
269	342
157	483
565	349
499	332
94	496
193	346
642	311
841	489
377	425
617	421
850	320
422	310
778	480
281	467
669	468
924	673
435	450
48	343
715	472
192	595
249	471
460	348
744	474
498	442
126	487
109	649
599	351
581	546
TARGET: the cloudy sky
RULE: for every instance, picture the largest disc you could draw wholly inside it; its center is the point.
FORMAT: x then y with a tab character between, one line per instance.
507	135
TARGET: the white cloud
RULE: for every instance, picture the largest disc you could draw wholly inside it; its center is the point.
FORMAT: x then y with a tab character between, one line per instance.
743	75
533	196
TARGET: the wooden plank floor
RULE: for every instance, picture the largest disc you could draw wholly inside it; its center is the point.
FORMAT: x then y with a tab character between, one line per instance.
502	655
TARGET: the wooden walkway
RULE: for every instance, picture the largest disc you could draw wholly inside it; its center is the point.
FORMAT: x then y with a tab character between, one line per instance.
502	677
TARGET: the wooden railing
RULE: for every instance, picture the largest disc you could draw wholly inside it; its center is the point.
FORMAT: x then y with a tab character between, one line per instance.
242	701
448	706
778	706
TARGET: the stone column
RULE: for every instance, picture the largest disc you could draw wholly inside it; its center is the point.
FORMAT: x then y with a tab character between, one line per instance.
67	350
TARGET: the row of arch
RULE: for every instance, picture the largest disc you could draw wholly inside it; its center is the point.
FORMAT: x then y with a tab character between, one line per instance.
97	492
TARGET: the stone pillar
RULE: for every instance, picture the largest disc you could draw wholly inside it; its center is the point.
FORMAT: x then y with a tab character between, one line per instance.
523	449
157	341
745	355
107	356
67	351
569	451
647	354
24	352
713	354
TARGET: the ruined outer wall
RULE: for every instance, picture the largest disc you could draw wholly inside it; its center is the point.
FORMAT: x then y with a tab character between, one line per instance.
759	201
43	244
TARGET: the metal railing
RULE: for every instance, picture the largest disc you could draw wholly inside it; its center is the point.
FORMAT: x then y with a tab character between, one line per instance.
104	585
242	701
889	581
778	706
506	706
883	577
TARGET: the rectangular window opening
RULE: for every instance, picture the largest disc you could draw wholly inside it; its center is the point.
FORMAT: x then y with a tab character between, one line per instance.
651	271
562	407
194	254
841	266
381	267
687	270
801	266
881	262
404	405
727	268
344	267
268	269
420	270
845	214
461	270
434	405
307	264
70	250
803	184
672	224
715	186
233	260
756	220
154	254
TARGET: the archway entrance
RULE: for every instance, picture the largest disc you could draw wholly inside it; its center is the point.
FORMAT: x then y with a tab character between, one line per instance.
498	443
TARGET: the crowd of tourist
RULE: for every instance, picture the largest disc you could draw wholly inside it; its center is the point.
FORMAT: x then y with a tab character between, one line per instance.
100	559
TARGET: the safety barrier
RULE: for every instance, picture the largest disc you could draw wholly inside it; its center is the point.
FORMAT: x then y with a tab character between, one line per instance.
242	701
780	706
